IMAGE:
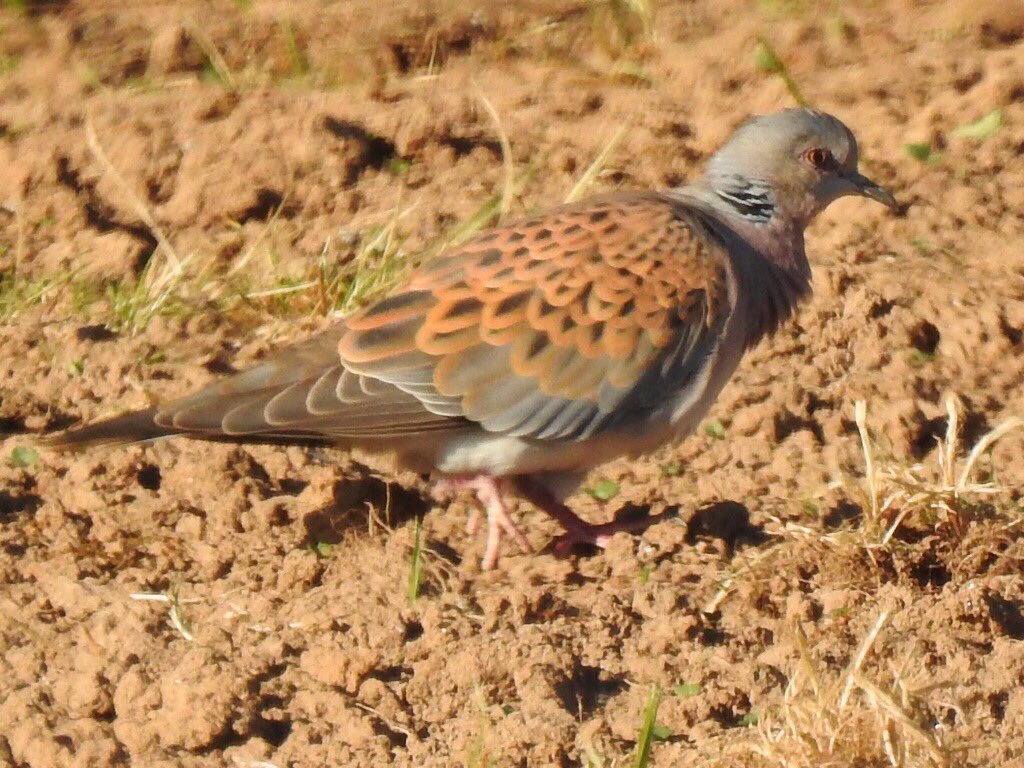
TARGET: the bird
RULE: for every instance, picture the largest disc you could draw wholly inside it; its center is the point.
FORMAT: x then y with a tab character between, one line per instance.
514	363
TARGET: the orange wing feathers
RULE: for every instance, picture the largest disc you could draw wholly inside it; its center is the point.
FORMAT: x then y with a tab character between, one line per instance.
573	305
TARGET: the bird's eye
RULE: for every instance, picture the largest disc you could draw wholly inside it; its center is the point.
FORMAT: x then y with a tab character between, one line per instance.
820	158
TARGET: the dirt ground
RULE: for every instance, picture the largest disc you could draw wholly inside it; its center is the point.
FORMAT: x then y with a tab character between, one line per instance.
188	604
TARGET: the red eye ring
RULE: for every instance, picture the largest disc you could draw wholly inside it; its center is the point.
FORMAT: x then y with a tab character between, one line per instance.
819	157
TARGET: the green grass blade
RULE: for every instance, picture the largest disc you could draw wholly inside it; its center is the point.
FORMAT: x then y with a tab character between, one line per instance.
647	727
416	567
983	128
768	61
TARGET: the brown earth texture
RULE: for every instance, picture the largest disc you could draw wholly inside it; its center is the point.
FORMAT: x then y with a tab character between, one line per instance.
185	185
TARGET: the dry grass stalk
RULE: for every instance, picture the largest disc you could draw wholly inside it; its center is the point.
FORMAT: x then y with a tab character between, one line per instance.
831	720
942	495
509	190
946	495
137	205
589	176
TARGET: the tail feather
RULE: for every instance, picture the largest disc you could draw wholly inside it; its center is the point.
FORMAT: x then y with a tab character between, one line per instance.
135	427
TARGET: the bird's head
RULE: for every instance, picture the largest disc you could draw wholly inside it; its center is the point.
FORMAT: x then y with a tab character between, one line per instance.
792	163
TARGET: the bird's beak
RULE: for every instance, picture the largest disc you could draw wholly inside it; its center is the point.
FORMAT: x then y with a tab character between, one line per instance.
865	187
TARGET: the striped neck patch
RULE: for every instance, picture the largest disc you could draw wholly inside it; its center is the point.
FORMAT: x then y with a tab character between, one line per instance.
750	198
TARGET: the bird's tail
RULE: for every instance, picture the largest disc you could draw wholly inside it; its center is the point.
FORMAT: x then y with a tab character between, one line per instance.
135	427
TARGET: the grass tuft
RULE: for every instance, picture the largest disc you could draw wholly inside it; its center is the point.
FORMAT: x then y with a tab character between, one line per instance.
296	55
943	496
846	718
175	608
477	754
18	293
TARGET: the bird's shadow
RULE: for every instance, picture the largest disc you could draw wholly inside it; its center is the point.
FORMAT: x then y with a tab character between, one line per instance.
728	521
354	498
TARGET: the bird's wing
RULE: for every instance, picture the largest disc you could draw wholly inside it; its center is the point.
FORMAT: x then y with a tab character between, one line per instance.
302	391
549	328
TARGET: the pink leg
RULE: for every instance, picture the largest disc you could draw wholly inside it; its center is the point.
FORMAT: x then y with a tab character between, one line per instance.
578	530
490	497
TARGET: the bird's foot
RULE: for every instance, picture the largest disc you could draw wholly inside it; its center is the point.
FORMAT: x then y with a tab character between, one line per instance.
490	499
588	534
577	530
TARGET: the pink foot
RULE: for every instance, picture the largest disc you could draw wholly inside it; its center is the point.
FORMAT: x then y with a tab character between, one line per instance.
577	530
491	500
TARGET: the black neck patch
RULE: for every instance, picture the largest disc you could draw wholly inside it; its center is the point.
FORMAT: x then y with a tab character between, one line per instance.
750	198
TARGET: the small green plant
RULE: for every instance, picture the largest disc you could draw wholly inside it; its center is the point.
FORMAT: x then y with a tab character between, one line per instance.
923	152
603	490
781	8
397	166
156	292
477	755
376	267
22	457
919	357
687	689
89	77
175	611
154	357
923	245
8	63
18	293
715	429
299	61
215	68
619	25
19	7
322	549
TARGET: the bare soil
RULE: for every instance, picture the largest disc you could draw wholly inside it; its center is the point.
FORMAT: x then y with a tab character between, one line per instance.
286	130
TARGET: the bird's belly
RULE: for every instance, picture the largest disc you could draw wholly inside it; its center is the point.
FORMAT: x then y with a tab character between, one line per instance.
504	455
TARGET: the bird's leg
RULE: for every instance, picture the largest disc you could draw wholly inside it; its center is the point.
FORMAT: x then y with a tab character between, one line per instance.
577	530
491	498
